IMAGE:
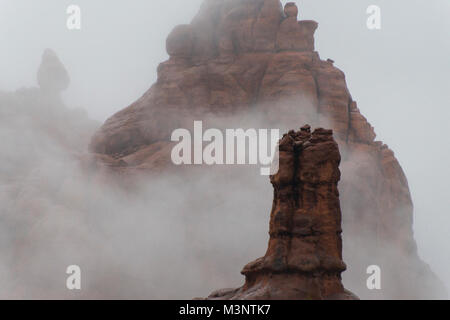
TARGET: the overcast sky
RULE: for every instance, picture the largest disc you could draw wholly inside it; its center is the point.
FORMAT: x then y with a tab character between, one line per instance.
399	75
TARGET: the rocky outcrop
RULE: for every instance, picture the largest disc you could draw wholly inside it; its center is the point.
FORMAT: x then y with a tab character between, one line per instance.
304	257
251	63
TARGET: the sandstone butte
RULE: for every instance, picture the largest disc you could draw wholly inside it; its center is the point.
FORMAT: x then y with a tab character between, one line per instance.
304	257
252	59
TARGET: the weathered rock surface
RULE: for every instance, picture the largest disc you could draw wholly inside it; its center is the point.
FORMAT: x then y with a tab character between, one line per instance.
251	57
304	257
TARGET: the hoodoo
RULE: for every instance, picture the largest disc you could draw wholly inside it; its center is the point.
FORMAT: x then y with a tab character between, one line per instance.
304	258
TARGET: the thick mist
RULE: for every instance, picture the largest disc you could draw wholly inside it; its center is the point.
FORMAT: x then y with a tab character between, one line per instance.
152	239
53	215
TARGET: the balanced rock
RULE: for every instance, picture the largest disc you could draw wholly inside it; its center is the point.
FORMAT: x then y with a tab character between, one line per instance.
52	75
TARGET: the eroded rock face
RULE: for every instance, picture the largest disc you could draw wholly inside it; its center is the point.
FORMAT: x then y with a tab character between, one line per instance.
250	59
304	257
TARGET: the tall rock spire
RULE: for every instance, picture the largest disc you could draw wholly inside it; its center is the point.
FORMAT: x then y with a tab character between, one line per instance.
304	257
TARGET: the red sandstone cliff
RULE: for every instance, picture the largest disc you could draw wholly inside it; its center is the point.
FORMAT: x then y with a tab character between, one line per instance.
251	57
304	257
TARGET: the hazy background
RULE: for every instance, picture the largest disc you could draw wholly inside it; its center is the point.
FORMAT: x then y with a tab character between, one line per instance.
398	75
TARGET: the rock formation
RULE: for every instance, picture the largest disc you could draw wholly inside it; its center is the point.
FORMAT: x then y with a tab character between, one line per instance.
304	258
40	122
250	59
43	140
52	75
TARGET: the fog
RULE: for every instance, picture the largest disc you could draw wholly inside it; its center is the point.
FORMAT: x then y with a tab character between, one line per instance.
398	75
